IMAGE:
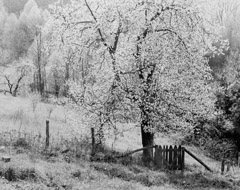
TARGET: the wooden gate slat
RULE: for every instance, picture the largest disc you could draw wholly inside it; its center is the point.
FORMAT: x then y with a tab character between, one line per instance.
170	156
164	156
175	149
160	156
157	157
179	157
167	156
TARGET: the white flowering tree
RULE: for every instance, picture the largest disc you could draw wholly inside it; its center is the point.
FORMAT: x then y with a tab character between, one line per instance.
138	60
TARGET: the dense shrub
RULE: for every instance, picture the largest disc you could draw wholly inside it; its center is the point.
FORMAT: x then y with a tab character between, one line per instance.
215	137
228	102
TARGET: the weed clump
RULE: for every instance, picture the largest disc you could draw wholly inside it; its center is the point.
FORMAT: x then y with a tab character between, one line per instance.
21	143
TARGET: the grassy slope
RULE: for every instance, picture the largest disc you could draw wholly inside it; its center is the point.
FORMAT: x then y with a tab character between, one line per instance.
20	114
17	113
57	174
61	175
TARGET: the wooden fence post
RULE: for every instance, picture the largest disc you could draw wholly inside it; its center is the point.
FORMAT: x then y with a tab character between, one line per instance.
222	167
170	156
183	159
47	133
93	141
175	157
167	157
156	155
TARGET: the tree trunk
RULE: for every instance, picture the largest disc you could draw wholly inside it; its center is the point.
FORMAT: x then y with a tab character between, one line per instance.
67	76
17	86
10	85
14	94
10	89
40	83
147	140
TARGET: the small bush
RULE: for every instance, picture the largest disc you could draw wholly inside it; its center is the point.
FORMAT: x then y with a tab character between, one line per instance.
215	139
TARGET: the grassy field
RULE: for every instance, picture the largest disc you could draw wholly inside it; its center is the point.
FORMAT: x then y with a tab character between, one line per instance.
30	115
32	168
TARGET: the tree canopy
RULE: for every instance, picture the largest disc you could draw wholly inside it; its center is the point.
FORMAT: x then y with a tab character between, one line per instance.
139	58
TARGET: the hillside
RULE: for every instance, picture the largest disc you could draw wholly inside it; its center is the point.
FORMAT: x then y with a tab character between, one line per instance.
50	172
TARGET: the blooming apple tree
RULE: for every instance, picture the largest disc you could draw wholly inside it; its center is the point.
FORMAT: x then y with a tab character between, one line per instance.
138	60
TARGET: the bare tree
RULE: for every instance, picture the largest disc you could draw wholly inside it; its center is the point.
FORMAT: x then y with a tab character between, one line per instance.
13	83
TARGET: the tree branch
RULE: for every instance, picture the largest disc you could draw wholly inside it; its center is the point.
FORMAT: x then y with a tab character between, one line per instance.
175	33
122	155
99	30
9	84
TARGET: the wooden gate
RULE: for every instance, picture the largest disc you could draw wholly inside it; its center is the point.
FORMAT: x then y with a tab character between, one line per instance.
169	157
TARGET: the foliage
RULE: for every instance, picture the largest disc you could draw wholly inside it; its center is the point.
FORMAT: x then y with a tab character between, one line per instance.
216	145
138	59
16	33
228	103
228	93
226	14
228	76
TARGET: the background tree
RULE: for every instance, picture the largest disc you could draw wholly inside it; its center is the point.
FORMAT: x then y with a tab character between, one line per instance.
8	39
3	17
226	14
226	68
32	19
56	73
18	33
39	56
14	75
